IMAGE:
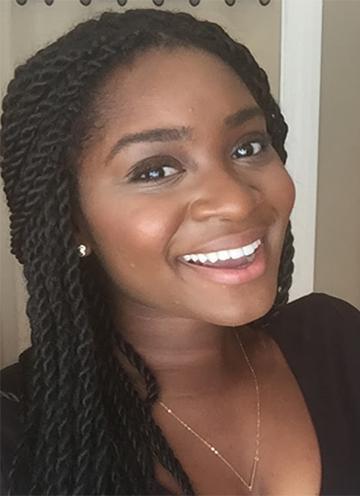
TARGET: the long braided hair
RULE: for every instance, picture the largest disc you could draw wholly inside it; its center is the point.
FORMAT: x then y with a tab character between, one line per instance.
86	429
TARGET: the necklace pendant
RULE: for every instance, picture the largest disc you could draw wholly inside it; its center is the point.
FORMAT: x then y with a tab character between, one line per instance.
253	473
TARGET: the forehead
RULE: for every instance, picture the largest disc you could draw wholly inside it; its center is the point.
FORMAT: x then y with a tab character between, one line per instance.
166	84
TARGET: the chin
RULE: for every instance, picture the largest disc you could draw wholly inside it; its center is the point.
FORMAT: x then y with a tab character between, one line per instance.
256	306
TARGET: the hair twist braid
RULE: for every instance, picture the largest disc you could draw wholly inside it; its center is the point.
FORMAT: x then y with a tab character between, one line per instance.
119	393
153	435
286	268
118	399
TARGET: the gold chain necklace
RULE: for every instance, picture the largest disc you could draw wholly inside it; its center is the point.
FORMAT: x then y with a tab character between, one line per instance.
212	448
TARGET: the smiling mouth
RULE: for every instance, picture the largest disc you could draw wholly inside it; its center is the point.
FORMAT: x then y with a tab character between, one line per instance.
231	272
226	264
227	259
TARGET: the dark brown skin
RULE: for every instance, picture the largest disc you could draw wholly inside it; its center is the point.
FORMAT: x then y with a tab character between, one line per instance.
182	324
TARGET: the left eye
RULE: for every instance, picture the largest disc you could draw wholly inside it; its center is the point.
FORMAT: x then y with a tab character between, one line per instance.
249	149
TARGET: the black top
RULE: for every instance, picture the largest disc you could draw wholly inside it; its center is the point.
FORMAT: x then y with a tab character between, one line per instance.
319	336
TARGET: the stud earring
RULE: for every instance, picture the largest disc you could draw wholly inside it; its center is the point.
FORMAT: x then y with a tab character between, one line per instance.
82	250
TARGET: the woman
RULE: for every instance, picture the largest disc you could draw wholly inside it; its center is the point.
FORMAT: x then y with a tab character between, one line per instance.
143	163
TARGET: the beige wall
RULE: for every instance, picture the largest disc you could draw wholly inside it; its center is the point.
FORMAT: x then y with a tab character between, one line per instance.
337	262
257	26
26	29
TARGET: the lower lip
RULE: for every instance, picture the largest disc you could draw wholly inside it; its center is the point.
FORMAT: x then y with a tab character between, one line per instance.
234	276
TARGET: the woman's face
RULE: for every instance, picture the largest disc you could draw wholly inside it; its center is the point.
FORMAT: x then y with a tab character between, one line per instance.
181	113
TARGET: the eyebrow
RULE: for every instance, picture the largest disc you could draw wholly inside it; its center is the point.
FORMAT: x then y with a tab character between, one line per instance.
180	133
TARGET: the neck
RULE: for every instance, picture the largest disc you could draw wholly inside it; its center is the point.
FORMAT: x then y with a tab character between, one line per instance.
188	358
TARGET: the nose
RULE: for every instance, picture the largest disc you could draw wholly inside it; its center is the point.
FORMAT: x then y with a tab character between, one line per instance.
229	195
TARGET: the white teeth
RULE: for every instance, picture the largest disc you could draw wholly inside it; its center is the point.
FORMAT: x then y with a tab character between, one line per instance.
248	250
236	253
212	257
202	258
224	254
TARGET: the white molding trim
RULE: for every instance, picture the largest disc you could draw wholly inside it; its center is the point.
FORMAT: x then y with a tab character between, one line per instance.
301	36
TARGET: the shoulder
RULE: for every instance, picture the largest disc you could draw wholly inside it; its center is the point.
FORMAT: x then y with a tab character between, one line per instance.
329	306
319	335
322	304
11	383
12	378
317	315
319	330
12	395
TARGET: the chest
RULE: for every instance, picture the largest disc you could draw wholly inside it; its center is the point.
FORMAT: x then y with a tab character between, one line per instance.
289	454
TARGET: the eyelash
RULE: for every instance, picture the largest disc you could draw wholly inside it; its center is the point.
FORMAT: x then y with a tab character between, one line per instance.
264	141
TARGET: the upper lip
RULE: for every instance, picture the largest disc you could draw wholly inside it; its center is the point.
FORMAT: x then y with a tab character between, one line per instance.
229	241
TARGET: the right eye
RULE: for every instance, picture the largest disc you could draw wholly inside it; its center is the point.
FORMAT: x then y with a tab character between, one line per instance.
146	173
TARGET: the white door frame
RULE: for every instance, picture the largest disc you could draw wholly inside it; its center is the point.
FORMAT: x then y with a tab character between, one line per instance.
301	35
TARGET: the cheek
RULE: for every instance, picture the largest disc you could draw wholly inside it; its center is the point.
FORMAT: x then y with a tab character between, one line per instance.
130	231
131	237
290	193
280	190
